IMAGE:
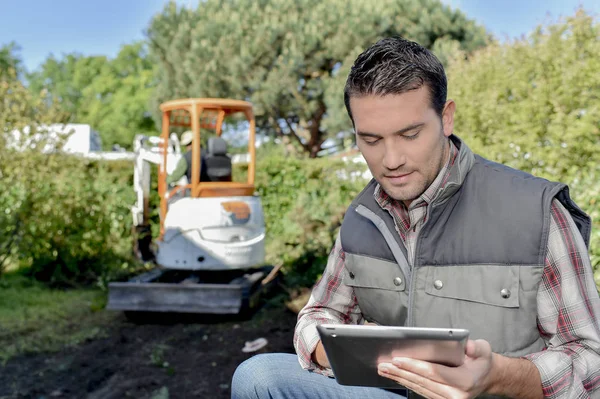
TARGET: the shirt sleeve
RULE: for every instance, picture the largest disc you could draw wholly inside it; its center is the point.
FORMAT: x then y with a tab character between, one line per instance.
179	171
568	314
332	302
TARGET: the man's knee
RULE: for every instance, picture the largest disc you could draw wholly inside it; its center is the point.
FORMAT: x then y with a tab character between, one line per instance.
258	376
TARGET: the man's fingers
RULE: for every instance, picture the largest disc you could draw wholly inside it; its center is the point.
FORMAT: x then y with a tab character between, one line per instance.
431	371
424	369
456	377
443	380
415	382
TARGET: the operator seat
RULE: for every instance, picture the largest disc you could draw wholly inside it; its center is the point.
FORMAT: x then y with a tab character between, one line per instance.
218	163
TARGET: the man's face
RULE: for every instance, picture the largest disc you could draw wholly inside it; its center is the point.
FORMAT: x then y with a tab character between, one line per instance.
403	140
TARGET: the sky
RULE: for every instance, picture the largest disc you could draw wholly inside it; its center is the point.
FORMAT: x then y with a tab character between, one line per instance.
514	18
101	27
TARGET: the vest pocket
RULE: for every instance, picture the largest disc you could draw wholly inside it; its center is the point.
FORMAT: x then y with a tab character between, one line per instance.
492	285
379	286
497	303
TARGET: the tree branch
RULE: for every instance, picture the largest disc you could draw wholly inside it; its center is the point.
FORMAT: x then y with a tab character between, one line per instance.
295	135
316	139
278	130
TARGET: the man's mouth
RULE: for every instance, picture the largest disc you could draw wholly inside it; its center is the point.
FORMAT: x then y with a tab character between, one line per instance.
398	178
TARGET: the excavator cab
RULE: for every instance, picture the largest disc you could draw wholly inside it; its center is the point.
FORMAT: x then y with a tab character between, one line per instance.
207	115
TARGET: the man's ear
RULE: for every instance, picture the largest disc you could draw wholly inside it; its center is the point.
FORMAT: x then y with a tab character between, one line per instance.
448	117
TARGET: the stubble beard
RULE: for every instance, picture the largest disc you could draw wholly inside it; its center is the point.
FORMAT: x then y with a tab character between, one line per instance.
406	194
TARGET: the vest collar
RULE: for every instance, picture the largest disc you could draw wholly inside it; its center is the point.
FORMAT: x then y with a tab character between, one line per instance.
458	172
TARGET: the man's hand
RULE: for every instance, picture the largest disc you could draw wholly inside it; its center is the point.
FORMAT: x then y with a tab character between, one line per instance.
320	357
436	381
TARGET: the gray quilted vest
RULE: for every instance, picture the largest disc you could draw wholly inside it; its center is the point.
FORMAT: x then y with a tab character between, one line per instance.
478	259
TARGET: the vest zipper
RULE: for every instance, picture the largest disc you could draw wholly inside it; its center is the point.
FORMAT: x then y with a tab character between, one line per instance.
411	288
430	208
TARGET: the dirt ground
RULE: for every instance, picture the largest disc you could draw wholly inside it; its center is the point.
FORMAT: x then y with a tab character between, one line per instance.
155	359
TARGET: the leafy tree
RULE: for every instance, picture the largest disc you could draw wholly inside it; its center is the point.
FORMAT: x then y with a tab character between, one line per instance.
10	60
290	58
533	104
63	80
117	101
112	95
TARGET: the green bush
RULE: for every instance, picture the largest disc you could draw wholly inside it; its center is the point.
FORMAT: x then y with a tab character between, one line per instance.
304	201
533	105
70	216
63	219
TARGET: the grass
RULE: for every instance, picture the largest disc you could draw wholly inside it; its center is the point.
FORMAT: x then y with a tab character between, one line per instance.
35	318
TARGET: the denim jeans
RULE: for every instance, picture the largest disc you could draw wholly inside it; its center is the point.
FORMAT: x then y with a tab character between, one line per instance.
279	375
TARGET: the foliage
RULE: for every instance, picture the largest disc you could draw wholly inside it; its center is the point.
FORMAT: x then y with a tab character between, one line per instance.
303	214
290	58
63	218
18	110
10	62
72	218
65	79
533	105
110	95
37	319
117	101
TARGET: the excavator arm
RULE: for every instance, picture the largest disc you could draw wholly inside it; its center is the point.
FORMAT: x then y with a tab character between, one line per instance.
147	150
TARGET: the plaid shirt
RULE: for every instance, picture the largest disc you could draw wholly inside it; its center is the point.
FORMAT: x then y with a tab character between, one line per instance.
568	303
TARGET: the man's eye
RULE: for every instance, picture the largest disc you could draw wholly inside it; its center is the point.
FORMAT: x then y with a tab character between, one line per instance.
371	142
412	136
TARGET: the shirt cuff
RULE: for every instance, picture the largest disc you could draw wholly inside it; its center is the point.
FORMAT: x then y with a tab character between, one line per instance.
309	338
551	365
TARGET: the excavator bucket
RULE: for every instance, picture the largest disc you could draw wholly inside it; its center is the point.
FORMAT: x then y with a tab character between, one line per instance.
162	290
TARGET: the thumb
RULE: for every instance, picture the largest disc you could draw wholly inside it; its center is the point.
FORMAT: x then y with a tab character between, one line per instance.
478	348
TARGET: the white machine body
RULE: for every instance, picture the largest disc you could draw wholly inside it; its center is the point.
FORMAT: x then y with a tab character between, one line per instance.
213	234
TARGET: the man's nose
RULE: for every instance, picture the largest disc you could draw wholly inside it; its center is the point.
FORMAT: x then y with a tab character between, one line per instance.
393	158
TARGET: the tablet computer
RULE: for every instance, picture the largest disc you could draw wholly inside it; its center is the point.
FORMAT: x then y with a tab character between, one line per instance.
354	351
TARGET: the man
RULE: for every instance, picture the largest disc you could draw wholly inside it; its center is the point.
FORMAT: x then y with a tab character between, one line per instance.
184	166
444	238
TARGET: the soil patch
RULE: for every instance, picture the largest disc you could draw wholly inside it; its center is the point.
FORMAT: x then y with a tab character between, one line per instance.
153	358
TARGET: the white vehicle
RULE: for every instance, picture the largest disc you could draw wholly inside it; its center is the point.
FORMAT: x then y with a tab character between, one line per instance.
210	253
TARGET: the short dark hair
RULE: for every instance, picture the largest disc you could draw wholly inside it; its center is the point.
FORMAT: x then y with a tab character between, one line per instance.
395	65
